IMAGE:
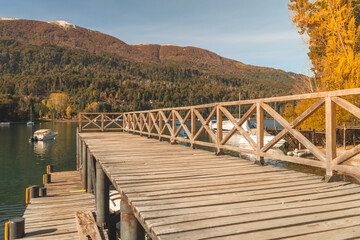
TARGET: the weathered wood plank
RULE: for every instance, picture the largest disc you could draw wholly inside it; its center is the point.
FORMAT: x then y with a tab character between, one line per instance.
53	216
86	226
178	193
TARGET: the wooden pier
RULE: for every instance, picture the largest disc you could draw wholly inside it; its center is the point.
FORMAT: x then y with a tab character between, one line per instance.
179	193
53	216
170	191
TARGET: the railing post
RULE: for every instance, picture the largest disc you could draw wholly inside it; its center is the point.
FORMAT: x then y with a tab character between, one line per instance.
173	116
80	120
330	118
102	122
128	122
133	122
124	122
160	125
219	132
150	123
193	127
102	198
142	122
259	133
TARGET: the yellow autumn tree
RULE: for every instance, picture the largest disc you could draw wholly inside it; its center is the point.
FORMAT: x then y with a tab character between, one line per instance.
332	31
289	112
68	112
57	103
92	107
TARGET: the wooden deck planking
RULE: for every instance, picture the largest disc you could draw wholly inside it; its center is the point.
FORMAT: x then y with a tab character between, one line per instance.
179	193
53	216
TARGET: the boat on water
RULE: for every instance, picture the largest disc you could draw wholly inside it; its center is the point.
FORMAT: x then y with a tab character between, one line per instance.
4	124
182	131
239	140
43	134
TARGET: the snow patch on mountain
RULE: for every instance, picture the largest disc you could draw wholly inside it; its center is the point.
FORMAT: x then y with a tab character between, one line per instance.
7	19
63	24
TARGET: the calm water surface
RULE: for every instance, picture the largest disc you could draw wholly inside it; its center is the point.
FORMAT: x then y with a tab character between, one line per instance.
23	163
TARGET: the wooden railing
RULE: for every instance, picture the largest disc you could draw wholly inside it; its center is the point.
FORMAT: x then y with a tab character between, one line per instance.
169	122
100	121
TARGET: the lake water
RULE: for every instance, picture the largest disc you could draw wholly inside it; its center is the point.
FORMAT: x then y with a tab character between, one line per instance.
23	163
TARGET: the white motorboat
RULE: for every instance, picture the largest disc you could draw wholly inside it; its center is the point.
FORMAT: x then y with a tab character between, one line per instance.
227	125
43	134
239	140
4	124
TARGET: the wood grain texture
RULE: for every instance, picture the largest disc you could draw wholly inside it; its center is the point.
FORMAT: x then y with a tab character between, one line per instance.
183	193
86	226
53	216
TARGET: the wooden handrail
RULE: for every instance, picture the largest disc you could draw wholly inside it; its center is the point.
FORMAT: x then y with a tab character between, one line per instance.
162	123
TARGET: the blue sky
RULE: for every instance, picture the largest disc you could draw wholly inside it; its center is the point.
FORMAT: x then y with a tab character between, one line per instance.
256	32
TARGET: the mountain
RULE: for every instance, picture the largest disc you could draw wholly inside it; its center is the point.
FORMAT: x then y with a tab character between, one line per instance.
39	58
63	34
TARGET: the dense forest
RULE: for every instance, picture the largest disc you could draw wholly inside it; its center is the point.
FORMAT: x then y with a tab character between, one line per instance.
58	82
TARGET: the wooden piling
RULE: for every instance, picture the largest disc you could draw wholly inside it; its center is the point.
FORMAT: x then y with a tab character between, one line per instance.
83	166
15	228
129	226
49	169
46	178
102	198
34	191
78	149
89	182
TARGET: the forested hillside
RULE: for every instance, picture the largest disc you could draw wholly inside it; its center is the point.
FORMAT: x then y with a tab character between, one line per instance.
58	82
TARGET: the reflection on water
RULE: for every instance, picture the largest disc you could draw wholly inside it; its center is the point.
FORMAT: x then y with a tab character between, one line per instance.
22	163
42	148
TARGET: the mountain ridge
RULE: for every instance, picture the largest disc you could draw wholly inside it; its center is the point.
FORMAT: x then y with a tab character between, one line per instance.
39	32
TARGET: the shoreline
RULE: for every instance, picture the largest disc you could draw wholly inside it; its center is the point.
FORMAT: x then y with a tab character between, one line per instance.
40	121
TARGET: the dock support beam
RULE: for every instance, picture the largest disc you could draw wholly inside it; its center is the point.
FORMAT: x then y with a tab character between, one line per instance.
15	228
102	197
83	166
89	183
130	228
78	149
